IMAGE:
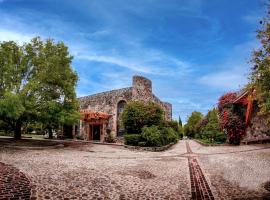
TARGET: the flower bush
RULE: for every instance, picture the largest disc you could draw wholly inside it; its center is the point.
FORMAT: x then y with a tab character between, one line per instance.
231	120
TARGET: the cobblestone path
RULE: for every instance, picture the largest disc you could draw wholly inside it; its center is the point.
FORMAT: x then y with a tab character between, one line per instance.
13	183
200	189
188	170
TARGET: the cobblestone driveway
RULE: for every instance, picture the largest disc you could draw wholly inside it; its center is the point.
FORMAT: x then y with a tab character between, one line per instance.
111	172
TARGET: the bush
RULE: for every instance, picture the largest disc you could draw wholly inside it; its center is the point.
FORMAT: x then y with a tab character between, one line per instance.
132	139
168	135
142	144
109	137
152	136
174	125
221	137
136	115
231	118
156	136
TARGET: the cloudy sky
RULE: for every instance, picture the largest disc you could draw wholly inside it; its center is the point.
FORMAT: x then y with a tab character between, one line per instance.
192	50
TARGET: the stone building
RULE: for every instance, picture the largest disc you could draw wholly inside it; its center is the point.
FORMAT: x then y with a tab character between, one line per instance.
101	112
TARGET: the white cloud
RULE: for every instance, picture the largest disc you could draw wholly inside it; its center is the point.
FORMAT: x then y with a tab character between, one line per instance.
232	79
117	61
6	35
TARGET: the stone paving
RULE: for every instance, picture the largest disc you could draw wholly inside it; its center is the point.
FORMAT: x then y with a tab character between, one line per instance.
93	171
13	183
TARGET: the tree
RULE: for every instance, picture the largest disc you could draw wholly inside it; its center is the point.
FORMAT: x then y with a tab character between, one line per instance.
37	83
137	114
210	128
190	128
180	121
260	75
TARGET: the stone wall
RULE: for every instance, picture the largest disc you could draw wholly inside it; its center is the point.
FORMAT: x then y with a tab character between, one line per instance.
142	91
107	102
257	129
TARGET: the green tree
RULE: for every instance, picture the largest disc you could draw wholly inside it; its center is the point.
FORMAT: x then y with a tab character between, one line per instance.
37	83
260	75
211	130
190	127
136	115
180	121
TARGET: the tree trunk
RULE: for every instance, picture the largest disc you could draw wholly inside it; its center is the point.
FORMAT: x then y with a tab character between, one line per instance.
18	130
50	133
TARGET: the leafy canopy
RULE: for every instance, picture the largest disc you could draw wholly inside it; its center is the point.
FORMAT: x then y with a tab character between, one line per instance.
260	75
37	83
190	128
136	115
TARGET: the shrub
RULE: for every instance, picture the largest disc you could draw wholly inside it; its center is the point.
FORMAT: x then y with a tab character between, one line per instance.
231	118
168	135
226	100
174	125
136	115
152	136
142	144
132	139
109	137
221	137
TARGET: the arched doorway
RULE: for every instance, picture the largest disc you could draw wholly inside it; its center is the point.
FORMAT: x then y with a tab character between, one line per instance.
120	108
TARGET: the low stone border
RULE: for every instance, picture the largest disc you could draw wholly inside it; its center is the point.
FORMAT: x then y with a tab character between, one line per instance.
154	149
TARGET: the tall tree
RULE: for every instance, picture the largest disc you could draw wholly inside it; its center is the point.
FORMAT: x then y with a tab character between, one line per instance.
37	83
180	121
260	76
191	125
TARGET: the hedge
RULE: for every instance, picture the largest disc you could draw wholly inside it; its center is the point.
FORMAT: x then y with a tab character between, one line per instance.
132	139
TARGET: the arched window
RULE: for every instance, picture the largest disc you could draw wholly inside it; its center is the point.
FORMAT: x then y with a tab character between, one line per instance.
120	108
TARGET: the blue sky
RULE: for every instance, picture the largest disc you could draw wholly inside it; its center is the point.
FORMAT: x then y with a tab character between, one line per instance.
192	50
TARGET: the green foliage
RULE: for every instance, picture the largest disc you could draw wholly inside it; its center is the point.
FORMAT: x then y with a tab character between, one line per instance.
260	75
152	136
142	144
132	139
169	135
157	136
175	126
180	122
37	83
149	126
190	128
109	137
11	106
136	115
209	129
